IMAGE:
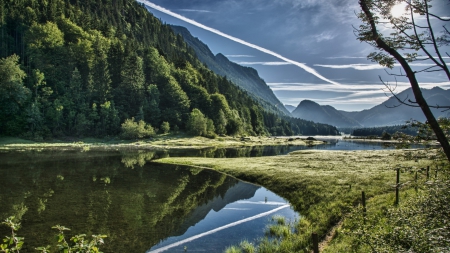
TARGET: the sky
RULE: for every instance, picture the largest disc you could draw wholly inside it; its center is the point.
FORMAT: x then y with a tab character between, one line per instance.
303	49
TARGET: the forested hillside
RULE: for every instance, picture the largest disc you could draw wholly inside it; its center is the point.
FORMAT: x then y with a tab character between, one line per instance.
82	67
245	77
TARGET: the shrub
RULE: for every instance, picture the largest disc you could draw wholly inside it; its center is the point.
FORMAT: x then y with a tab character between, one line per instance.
77	243
165	127
136	130
386	136
197	123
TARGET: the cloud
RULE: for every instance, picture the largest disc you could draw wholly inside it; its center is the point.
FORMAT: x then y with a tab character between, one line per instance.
240	41
239	56
370	66
353	66
345	94
351	87
270	63
327	35
346	57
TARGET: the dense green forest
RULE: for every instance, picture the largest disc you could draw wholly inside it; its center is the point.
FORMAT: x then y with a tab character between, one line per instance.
378	131
83	67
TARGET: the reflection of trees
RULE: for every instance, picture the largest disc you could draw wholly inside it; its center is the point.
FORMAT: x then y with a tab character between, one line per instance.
140	157
137	209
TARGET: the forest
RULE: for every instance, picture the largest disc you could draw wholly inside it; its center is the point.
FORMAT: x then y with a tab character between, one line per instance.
378	131
83	68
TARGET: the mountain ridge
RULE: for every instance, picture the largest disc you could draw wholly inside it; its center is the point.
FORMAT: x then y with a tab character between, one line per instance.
388	113
311	110
246	78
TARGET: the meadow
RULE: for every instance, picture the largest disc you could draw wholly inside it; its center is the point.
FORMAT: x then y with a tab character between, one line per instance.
325	187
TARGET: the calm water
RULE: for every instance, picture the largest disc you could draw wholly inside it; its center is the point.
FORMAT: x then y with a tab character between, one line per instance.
140	206
329	144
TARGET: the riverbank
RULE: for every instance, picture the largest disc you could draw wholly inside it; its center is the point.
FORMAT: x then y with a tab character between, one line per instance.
159	142
323	186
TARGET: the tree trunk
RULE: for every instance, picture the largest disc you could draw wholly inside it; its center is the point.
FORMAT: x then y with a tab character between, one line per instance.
442	139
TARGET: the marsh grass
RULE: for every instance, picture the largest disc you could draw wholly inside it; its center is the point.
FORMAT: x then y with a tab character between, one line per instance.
162	141
317	184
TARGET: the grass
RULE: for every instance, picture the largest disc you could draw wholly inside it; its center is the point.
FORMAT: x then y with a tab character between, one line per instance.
323	186
163	141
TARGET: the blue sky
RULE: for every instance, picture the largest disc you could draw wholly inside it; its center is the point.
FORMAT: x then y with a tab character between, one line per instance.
303	49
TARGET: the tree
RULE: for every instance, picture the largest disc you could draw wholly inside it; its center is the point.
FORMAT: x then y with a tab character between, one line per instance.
165	127
136	130
197	123
12	92
403	41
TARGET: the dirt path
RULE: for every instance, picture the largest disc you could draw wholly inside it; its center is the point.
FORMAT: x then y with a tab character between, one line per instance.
330	235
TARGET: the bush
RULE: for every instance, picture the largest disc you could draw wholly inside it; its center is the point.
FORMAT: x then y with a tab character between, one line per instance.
77	243
197	123
386	136
418	224
136	130
165	127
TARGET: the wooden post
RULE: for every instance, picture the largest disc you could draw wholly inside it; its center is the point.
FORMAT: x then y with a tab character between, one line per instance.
436	172
364	202
397	187
315	240
428	173
415	182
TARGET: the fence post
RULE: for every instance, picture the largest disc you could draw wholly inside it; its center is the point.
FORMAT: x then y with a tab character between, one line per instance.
364	202
428	173
315	239
436	172
415	181
397	187
363	198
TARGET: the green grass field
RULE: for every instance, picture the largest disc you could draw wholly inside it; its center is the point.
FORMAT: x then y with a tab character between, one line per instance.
323	186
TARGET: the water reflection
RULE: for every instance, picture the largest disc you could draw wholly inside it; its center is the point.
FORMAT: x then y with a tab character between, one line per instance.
135	203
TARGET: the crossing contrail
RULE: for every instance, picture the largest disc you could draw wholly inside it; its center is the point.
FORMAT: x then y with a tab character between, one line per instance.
264	50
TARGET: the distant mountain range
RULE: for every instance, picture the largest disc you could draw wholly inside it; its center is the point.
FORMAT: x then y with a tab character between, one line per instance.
310	110
386	114
245	77
290	108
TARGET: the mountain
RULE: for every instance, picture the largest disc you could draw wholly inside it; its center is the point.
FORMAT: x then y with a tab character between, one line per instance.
391	112
290	108
388	113
326	114
245	77
82	68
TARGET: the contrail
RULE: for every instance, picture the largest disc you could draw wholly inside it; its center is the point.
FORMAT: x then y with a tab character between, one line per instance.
217	230
264	50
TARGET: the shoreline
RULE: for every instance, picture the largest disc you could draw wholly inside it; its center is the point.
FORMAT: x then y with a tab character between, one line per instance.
164	142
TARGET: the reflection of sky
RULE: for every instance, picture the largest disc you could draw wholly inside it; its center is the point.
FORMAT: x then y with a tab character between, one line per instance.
293	42
263	201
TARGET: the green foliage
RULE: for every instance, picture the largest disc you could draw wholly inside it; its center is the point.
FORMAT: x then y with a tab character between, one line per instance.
13	94
417	225
424	134
378	131
165	127
77	54
13	243
197	123
136	130
386	136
